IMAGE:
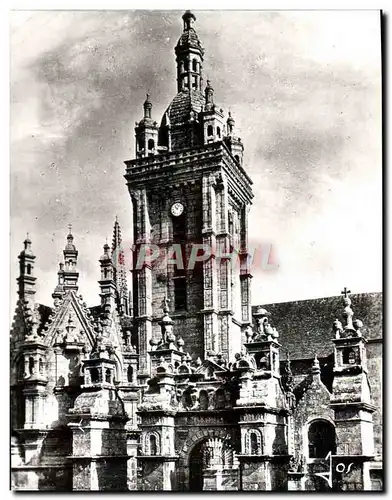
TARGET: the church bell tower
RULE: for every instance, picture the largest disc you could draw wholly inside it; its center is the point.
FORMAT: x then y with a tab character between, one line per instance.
191	196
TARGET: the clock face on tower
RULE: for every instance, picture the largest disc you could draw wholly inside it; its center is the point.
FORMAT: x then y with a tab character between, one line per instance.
177	209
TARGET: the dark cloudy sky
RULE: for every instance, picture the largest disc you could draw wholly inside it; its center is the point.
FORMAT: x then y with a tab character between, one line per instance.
304	89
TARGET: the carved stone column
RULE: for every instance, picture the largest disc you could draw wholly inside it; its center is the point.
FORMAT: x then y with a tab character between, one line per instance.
209	266
142	277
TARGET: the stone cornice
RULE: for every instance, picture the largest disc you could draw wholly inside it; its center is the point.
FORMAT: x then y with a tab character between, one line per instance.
186	166
341	405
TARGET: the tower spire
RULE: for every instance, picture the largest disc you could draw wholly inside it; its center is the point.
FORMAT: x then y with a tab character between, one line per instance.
209	95
189	52
26	280
67	274
146	132
120	277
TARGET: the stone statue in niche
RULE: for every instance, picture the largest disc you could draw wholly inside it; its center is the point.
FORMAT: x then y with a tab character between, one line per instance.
211	398
249	334
70	337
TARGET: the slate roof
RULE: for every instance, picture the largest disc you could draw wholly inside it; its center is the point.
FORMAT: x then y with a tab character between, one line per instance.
305	326
181	106
189	38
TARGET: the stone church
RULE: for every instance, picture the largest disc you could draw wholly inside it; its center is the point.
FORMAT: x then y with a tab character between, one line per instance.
183	385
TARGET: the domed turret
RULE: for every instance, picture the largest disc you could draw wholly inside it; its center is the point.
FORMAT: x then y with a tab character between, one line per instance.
146	132
189	52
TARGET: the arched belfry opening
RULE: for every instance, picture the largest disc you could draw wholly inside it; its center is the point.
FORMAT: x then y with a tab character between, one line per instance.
321	439
213	466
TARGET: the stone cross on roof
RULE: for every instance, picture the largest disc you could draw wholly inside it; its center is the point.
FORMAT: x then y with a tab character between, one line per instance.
345	292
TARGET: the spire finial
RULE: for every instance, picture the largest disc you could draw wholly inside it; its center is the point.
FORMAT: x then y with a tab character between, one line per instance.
345	292
147	106
69	247
189	18
230	124
27	243
209	96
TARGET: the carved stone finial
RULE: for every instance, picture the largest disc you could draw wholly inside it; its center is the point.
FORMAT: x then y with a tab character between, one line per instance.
358	324
316	366
288	363
166	323
348	313
153	344
165	305
180	344
248	334
337	328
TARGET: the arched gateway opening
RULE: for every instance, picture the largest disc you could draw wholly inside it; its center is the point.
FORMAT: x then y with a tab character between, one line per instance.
213	466
196	468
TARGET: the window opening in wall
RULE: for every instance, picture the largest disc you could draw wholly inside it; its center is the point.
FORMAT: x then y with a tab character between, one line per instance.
130	374
94	375
31	366
253	444
180	302
153	445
